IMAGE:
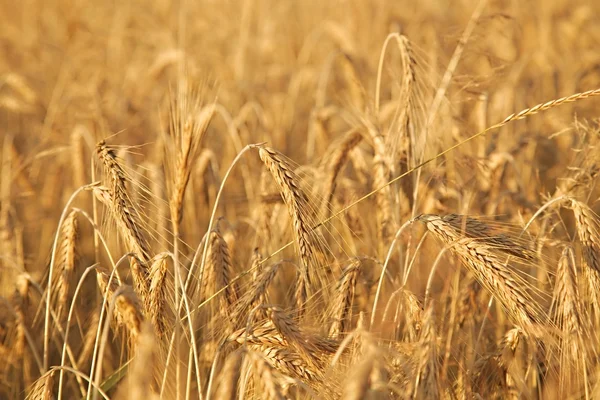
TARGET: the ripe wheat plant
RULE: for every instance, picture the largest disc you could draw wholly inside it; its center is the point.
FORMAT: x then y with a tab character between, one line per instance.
299	200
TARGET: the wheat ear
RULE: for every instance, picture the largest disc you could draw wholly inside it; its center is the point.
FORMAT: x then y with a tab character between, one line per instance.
342	304
268	379
157	297
133	237
125	214
220	270
128	310
483	259
427	379
296	201
589	236
67	259
336	161
569	317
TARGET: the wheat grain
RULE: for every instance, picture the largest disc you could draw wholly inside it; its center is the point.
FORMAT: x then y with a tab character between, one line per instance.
381	175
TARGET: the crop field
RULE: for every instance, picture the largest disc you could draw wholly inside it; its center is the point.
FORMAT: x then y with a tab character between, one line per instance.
270	199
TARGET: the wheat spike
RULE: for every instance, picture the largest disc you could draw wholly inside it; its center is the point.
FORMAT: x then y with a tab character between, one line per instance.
130	230
157	298
296	201
343	301
589	236
128	310
268	379
335	163
288	362
188	132
427	379
220	269
67	259
255	295
42	389
569	317
125	214
482	259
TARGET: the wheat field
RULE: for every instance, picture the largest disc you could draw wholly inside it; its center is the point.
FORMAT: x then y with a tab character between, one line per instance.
304	199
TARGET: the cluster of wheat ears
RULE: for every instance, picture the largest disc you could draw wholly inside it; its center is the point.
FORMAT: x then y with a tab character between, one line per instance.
315	209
